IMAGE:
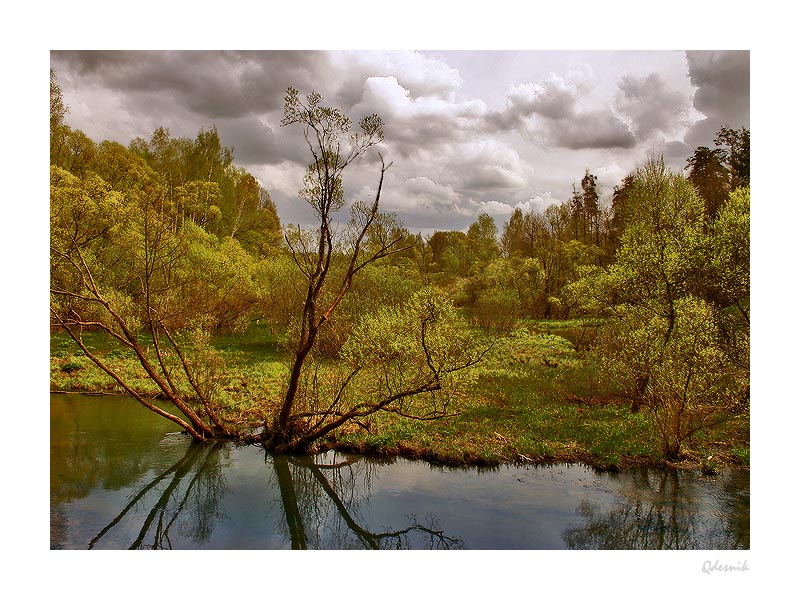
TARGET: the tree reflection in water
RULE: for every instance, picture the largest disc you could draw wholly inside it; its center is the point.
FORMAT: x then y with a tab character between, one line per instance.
328	512
193	487
660	510
320	502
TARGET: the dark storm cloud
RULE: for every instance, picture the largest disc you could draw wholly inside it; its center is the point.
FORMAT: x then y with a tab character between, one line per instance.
187	90
210	84
650	104
255	142
722	79
592	129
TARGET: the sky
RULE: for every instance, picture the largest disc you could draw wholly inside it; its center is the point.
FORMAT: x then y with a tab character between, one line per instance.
466	131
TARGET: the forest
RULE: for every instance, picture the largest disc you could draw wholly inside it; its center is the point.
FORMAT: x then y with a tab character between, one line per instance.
613	335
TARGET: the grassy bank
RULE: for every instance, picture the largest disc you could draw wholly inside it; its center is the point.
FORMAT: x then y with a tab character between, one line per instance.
532	400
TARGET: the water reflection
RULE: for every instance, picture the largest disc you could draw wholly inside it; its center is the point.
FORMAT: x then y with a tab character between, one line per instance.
319	503
192	488
331	495
666	510
123	478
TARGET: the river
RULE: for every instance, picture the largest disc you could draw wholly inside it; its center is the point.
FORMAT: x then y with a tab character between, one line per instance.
122	477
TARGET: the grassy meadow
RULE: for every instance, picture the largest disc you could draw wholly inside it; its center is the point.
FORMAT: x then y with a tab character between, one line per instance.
533	399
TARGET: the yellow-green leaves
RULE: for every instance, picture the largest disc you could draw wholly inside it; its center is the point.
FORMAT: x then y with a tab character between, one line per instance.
668	337
422	340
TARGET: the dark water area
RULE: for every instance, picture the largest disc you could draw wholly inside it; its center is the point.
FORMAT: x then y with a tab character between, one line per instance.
122	477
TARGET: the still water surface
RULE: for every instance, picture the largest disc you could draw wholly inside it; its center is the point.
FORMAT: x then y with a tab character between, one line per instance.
122	477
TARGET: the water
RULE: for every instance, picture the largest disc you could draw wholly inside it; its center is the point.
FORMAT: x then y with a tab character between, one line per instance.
122	477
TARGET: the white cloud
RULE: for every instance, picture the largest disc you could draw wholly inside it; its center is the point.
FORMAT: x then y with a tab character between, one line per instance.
551	98
426	187
537	204
552	112
283	181
414	123
495	208
420	74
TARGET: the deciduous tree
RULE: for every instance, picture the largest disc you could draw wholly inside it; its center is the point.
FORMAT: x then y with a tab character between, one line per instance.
313	406
663	337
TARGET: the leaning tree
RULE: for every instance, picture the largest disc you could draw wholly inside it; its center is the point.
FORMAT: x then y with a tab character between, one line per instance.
121	263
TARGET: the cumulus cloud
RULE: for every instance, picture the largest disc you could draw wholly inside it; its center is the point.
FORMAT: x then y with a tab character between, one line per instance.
483	165
550	112
650	104
421	74
493	208
555	98
492	177
412	123
537	204
722	79
430	191
552	99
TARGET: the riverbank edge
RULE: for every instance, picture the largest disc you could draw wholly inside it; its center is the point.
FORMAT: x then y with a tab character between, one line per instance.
468	460
688	463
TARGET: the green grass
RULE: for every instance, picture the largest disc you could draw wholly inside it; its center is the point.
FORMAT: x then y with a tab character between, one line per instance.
533	399
253	362
518	419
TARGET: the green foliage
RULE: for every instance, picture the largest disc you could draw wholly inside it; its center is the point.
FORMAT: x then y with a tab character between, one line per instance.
728	266
663	337
549	242
735	144
217	279
743	454
692	384
716	172
200	184
710	177
377	287
57	108
482	236
421	339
